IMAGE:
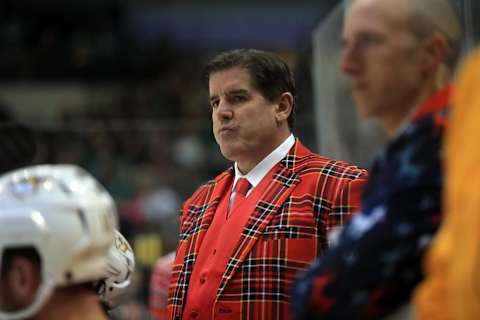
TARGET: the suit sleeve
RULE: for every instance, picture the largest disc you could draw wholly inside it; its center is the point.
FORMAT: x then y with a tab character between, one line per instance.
347	201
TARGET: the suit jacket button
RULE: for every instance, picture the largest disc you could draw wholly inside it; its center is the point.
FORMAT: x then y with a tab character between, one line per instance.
194	314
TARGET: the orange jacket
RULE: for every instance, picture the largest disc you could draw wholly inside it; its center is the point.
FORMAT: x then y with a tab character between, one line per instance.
451	289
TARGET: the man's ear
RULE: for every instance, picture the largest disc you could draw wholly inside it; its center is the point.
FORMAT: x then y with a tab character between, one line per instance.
284	107
24	279
435	51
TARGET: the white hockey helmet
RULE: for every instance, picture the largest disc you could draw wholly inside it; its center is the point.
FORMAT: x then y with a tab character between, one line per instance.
121	264
63	213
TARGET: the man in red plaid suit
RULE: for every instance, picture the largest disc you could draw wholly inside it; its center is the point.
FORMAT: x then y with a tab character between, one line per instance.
246	234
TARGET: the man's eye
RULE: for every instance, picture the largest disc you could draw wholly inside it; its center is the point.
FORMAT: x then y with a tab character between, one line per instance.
214	104
239	98
370	40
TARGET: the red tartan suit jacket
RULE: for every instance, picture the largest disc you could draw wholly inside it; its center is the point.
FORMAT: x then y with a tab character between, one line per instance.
307	197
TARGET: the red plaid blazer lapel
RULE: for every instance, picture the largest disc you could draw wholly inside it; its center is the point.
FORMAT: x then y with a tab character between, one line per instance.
200	211
282	184
196	217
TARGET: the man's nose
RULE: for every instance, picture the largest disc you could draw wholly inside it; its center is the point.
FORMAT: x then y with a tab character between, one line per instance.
224	111
350	62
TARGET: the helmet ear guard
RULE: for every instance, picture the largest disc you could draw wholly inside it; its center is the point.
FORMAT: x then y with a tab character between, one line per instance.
121	264
63	213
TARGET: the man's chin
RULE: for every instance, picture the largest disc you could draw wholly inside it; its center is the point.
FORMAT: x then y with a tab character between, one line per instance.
364	109
228	152
364	112
233	152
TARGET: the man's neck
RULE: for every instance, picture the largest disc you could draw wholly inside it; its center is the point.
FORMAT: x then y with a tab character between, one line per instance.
246	164
394	121
83	305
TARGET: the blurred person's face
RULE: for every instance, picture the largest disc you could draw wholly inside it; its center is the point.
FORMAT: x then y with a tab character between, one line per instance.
382	57
246	126
18	285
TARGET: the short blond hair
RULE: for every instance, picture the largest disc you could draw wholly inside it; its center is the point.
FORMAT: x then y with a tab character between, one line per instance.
430	16
426	17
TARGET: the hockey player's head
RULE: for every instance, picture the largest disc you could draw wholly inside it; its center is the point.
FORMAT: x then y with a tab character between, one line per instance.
56	227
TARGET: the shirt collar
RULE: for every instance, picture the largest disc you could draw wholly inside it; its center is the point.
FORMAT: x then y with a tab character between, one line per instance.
436	102
261	169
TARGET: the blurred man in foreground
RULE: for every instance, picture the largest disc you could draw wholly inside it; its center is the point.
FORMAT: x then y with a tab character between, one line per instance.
57	226
400	56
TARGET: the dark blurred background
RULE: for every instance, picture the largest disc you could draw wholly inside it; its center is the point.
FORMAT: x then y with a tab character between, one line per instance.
116	86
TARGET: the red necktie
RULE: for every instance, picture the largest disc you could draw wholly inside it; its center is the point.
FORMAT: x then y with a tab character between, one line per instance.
241	189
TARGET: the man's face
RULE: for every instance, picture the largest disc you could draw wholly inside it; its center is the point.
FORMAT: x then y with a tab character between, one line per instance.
19	285
5	294
244	122
381	56
8	297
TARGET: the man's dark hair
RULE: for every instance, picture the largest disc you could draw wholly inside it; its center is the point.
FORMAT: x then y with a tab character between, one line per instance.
270	75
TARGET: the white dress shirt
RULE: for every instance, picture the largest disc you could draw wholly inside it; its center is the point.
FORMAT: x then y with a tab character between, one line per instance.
263	167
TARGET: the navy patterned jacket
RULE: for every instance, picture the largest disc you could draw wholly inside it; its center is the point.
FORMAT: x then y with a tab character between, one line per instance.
376	263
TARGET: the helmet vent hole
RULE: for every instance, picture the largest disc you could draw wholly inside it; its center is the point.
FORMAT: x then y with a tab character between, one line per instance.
69	276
